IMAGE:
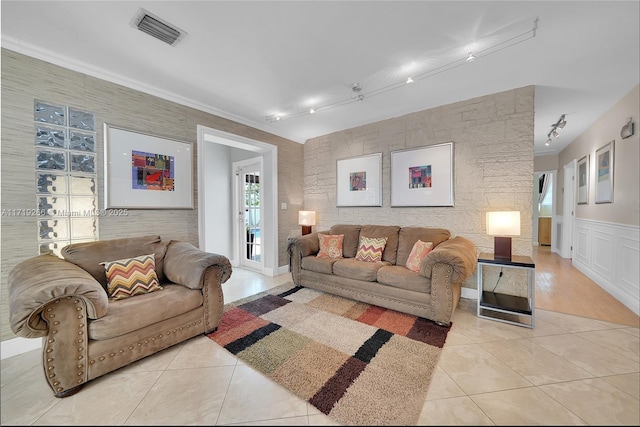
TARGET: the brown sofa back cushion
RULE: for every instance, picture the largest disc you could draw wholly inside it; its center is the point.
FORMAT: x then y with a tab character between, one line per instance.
89	255
410	235
390	253
351	238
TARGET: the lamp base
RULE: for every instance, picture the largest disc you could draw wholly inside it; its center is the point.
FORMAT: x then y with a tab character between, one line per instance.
502	247
306	229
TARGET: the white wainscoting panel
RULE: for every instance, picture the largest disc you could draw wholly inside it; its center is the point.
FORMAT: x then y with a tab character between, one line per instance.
608	254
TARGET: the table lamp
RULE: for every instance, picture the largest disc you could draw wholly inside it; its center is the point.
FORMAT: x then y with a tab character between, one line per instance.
306	219
503	225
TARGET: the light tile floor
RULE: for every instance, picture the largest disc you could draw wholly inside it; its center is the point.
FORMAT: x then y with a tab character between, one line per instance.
567	371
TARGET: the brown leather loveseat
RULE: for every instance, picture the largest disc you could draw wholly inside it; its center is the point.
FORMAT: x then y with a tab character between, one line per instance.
85	332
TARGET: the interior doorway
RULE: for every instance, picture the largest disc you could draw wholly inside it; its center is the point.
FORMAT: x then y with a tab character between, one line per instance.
544	208
218	223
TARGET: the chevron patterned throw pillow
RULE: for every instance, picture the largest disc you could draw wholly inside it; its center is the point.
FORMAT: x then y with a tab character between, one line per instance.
370	249
131	276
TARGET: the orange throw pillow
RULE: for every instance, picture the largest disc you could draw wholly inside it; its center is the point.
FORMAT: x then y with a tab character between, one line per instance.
418	253
330	245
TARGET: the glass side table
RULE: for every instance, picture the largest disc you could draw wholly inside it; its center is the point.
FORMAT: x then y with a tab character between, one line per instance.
503	307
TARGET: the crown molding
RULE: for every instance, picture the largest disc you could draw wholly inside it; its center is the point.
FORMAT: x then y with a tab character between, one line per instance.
46	55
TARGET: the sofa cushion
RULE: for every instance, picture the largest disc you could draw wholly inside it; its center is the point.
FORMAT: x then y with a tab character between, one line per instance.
418	254
130	314
131	276
351	238
408	236
330	245
358	270
370	249
89	255
401	277
391	233
319	265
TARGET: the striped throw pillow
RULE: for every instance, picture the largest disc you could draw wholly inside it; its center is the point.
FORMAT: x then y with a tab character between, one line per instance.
131	276
370	249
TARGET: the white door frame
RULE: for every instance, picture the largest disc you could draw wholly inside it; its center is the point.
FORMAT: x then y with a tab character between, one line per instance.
269	154
568	209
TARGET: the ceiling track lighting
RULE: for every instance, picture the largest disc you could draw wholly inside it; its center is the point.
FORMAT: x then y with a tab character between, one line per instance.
356	89
560	124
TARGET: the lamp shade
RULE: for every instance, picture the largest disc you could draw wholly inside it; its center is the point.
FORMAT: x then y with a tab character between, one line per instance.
503	223
306	218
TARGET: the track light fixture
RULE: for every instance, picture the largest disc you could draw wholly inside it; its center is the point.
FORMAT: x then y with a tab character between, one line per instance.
560	124
358	94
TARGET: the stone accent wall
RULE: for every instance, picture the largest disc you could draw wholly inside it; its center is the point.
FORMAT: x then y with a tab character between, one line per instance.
493	163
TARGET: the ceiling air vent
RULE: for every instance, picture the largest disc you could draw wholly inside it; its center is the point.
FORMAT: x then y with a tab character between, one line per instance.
157	27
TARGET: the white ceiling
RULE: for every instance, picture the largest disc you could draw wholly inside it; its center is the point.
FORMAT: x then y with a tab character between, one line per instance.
249	60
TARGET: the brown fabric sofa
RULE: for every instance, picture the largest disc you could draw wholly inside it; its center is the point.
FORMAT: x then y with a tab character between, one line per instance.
85	334
432	293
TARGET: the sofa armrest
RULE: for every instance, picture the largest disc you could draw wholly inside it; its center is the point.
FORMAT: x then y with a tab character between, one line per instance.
37	281
458	252
185	264
304	245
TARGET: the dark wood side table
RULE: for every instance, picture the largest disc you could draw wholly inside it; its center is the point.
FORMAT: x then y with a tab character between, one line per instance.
519	310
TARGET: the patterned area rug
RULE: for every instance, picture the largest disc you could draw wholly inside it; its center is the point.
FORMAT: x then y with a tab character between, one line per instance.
357	363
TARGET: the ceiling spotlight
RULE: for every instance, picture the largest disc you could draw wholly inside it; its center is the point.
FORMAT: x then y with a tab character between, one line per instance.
561	123
311	111
409	80
471	57
356	88
548	142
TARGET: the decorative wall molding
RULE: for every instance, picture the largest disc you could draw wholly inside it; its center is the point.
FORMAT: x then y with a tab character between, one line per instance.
608	254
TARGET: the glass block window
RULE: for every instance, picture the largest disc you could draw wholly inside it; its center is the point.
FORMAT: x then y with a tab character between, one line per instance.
66	176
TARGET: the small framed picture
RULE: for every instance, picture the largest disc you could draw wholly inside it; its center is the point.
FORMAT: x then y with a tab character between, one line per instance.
604	173
359	181
583	180
422	176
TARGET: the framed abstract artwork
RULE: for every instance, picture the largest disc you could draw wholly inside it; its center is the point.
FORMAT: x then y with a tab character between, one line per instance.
146	172
583	180
422	176
604	173
359	181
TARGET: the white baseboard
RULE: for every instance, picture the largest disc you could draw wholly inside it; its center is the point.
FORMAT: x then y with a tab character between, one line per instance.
283	269
16	346
469	293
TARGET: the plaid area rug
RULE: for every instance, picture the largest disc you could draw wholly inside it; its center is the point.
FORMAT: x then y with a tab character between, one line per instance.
357	363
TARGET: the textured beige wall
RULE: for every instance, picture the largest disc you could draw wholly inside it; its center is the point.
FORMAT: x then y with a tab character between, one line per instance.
25	79
545	163
626	181
493	162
